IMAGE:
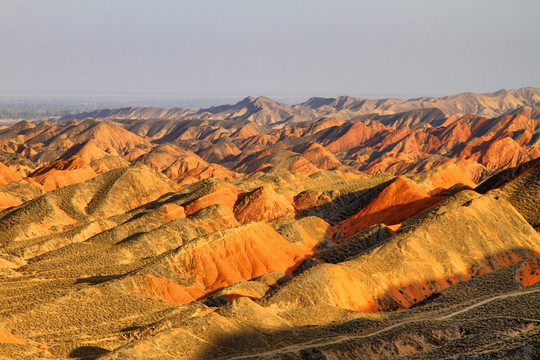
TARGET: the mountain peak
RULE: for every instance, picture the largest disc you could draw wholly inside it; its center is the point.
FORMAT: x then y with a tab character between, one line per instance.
247	99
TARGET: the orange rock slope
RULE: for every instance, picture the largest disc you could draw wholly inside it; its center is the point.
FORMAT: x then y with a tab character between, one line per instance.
61	173
8	175
529	272
188	169
262	204
397	202
221	259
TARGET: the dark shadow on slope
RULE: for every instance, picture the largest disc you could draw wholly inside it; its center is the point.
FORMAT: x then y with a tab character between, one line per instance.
98	279
312	354
129	238
87	352
347	205
520	186
505	176
341	207
356	245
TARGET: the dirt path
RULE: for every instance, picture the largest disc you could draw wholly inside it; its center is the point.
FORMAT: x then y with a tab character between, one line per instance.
504	296
339	339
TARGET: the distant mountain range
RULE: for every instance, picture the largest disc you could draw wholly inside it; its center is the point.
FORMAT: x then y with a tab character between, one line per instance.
265	111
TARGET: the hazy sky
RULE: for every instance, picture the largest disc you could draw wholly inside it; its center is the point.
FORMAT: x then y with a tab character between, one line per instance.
273	47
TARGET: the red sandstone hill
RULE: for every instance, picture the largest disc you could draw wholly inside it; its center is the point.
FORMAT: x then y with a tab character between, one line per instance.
397	202
61	173
8	175
191	168
88	151
318	156
262	204
223	150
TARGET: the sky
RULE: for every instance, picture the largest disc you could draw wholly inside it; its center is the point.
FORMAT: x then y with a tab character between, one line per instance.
277	48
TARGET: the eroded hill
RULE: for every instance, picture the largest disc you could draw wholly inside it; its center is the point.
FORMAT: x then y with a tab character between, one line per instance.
351	238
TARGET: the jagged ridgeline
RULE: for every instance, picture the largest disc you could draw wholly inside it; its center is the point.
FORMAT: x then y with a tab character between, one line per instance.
333	229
